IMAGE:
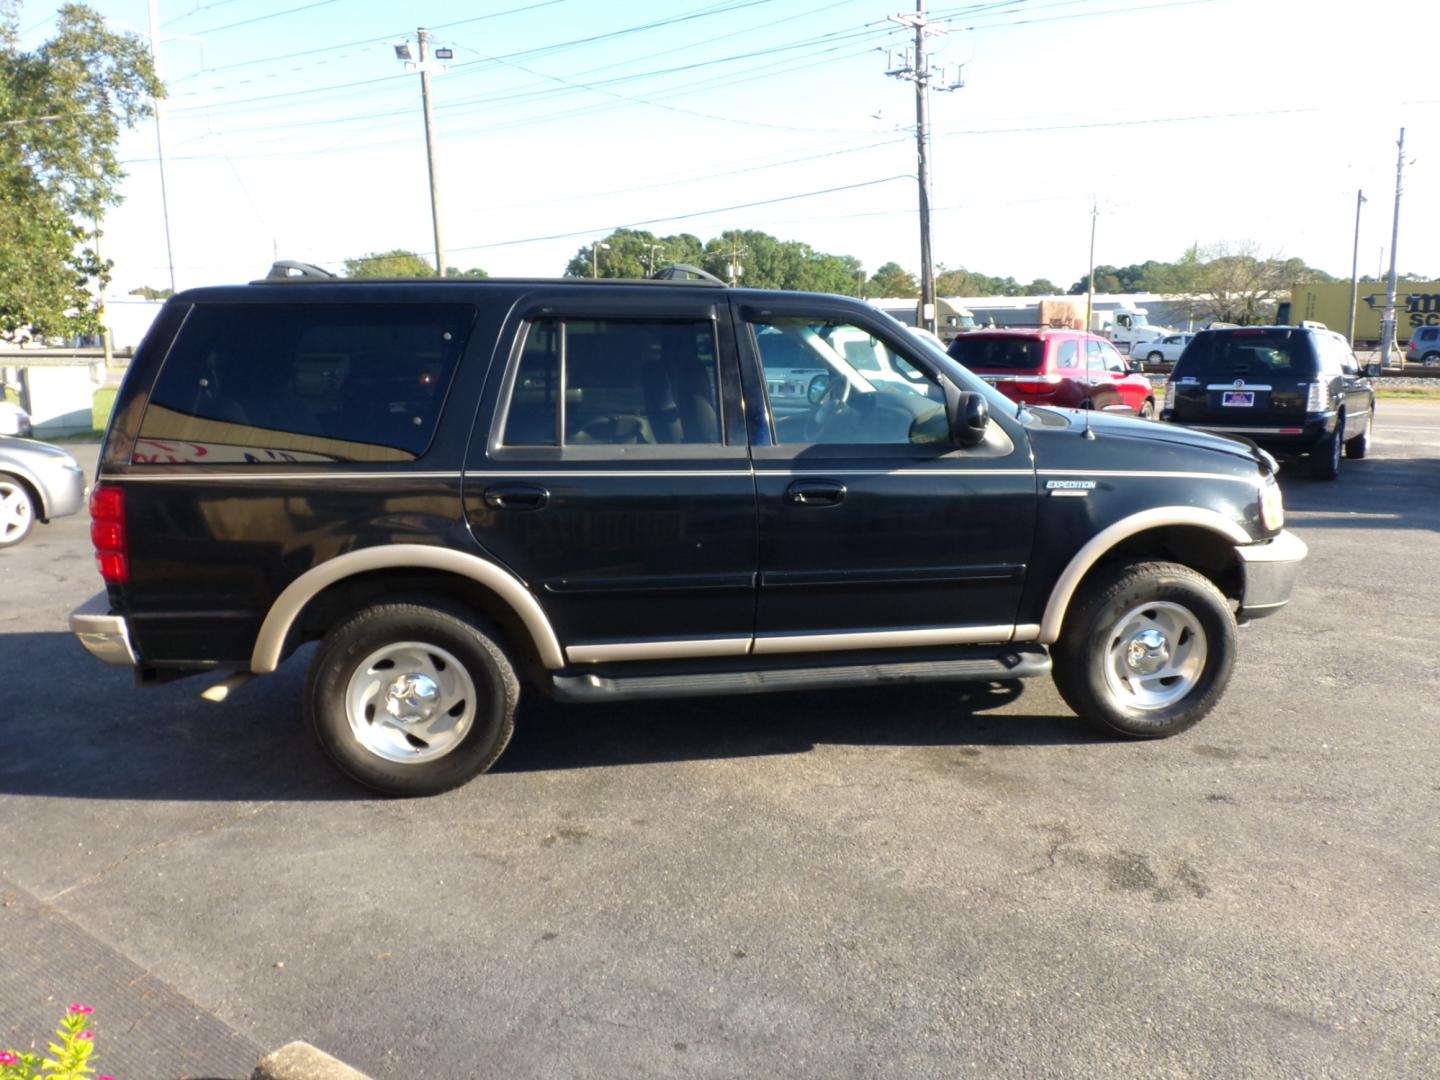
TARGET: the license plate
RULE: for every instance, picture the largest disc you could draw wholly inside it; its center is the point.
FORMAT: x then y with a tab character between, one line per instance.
1239	398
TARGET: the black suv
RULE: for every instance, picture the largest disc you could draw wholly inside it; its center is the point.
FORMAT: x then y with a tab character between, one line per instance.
1290	388
612	490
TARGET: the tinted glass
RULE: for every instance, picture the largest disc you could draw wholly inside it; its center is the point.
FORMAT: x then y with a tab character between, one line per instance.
833	383
626	382
252	384
1067	354
1247	354
980	353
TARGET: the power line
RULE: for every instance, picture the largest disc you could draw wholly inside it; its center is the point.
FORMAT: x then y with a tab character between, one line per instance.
263	18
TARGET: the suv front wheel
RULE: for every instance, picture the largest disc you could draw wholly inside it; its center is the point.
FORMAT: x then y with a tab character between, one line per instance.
1146	650
411	698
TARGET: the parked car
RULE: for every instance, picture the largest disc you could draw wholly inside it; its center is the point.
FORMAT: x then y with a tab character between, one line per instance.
595	487
1165	351
14	420
1065	368
38	482
1295	389
1424	346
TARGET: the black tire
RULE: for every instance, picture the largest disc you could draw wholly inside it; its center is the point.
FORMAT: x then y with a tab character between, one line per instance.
431	626
17	511
1359	446
1147	411
1091	637
1325	455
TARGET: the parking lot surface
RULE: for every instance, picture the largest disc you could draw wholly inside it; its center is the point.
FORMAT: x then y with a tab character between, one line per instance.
943	881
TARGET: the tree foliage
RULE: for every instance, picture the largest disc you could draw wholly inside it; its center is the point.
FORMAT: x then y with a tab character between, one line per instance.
63	107
389	264
149	292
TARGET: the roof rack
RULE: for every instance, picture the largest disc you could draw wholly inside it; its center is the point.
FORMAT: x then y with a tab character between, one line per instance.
293	270
685	272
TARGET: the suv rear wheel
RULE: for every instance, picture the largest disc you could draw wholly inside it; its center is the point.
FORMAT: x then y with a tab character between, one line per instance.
1146	650
1325	454
411	698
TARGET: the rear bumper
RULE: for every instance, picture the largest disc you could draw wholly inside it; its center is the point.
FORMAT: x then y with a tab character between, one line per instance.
1286	438
106	636
1270	569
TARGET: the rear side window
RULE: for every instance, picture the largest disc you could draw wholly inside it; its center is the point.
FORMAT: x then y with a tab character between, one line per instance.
1248	354
615	382
258	384
998	353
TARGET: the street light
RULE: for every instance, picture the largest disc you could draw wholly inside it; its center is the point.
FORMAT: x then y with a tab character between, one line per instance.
595	250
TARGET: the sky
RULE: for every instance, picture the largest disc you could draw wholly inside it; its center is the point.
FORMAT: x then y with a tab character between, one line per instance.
292	131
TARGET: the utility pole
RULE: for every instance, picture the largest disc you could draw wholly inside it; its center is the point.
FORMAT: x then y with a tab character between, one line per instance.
424	67
651	249
734	268
916	69
159	139
1354	267
1387	324
1090	276
595	250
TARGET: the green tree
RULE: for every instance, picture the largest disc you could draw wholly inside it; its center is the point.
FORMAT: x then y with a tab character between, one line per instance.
149	292
473	272
893	280
389	264
633	253
63	107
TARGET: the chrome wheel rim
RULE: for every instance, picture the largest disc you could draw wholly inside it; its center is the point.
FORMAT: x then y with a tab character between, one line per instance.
410	702
1155	655
16	512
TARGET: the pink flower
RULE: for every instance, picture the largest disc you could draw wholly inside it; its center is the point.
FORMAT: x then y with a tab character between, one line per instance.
7	1058
80	1010
86	1035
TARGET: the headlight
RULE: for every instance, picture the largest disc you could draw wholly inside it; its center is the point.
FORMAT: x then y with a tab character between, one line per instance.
1272	506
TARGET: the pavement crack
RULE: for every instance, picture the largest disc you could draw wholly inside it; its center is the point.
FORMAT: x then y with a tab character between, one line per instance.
147	849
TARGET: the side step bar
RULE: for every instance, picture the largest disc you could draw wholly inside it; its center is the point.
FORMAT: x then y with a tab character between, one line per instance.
977	666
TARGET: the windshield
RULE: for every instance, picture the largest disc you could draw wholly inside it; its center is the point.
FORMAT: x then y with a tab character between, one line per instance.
980	352
1247	354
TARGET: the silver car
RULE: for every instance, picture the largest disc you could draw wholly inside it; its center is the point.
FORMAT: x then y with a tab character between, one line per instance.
37	482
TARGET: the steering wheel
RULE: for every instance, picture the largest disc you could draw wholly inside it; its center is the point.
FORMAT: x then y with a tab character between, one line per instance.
832	404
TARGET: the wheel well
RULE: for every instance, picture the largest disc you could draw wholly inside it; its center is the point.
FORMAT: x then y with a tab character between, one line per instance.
335	602
1205	552
35	500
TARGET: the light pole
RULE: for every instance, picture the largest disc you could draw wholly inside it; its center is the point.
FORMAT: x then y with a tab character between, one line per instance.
1354	267
159	140
424	66
653	248
595	250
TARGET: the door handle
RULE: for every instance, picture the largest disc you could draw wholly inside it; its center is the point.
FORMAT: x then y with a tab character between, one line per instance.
815	493
516	497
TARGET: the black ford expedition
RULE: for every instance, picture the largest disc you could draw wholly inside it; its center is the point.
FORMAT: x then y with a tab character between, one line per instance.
1293	389
605	490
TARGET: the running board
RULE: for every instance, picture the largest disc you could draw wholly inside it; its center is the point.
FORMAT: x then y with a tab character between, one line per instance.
979	666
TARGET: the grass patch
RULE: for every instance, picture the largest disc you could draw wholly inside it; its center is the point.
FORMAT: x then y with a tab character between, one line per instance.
100	406
1416	393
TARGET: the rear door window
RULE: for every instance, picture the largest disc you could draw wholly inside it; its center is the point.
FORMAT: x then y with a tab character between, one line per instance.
258	384
615	382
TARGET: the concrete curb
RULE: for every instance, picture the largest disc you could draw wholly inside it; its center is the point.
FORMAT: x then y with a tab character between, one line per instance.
301	1061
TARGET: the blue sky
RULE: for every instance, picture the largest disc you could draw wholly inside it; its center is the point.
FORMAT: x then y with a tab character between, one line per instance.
291	129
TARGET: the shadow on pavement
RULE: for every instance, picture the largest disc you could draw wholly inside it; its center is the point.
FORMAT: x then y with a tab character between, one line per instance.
1373	493
74	728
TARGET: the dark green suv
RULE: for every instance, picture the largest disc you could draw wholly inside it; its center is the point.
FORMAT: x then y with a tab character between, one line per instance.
1292	389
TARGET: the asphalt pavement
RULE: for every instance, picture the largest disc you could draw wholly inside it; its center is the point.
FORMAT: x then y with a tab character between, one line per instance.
942	881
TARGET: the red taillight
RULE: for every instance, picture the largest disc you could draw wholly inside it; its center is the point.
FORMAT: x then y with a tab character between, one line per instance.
1027	386
107	533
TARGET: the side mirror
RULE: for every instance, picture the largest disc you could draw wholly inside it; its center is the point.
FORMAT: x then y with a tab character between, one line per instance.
818	386
1372	371
1137	366
969	416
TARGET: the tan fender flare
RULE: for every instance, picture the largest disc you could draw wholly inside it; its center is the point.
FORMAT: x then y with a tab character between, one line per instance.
287	606
1102	542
